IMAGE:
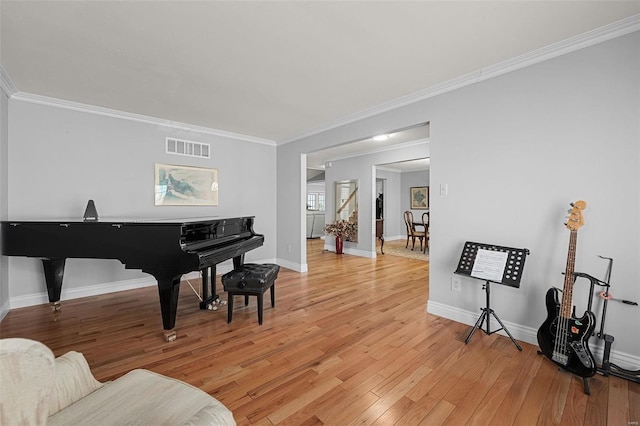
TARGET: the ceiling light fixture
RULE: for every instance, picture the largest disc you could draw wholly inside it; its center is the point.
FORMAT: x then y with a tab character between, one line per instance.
381	138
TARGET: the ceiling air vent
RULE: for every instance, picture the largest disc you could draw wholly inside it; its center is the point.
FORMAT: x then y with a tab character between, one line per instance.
191	149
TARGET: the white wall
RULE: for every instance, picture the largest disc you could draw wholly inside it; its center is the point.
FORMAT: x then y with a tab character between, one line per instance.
60	158
514	150
552	133
4	144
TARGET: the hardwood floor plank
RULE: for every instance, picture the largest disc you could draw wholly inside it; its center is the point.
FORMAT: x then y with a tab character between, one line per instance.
346	415
439	413
395	412
346	408
429	401
393	395
537	393
477	393
500	389
517	393
349	342
598	402
263	404
634	404
322	404
618	412
554	403
576	405
303	399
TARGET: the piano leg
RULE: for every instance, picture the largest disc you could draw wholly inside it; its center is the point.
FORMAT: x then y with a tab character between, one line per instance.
238	261
53	274
169	289
210	298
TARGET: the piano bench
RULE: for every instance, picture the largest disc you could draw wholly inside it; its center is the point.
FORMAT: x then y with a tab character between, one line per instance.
250	279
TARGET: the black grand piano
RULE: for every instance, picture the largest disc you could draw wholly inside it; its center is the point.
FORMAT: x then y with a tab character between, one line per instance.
164	248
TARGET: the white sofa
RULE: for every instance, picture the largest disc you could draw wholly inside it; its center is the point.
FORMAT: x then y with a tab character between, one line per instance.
36	389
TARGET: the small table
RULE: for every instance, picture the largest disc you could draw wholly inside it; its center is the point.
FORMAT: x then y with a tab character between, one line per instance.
379	235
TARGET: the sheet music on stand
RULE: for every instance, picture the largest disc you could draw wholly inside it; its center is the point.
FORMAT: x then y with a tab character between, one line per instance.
498	264
491	263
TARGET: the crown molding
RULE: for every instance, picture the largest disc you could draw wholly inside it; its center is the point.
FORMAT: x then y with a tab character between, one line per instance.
590	38
380	149
398	170
5	82
92	109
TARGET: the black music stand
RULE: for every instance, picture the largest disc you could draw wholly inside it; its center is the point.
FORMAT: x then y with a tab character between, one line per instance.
491	263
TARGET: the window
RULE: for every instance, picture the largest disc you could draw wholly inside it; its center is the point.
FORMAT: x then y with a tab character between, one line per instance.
315	201
312	202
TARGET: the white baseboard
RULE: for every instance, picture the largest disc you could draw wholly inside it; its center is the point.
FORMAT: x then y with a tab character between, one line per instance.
519	332
84	291
621	359
298	267
103	288
352	251
4	309
528	334
360	253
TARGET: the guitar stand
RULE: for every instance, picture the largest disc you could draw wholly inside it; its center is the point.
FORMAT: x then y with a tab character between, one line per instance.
486	312
608	368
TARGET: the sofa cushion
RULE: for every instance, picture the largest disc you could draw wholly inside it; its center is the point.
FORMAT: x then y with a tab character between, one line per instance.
210	415
73	381
142	397
27	376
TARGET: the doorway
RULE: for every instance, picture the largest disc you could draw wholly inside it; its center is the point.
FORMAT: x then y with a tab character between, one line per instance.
361	160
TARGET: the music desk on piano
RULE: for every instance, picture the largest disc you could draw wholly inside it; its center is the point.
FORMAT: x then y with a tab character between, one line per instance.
164	248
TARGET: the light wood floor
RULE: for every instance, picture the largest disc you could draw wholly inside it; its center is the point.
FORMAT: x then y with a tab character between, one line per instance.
349	342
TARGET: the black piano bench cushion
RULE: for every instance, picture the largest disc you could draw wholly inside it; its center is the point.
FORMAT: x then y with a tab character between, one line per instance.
251	278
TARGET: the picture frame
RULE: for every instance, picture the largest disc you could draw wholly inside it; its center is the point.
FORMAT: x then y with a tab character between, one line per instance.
420	198
177	185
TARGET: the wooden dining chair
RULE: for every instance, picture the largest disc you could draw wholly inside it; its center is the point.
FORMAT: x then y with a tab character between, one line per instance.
425	225
412	232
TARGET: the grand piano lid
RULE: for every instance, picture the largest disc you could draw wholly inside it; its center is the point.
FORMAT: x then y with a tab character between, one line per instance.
130	220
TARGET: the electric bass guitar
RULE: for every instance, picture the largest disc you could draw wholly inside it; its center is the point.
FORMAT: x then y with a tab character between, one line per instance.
563	338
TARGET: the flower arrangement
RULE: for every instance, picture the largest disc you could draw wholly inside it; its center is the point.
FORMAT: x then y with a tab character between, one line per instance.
344	228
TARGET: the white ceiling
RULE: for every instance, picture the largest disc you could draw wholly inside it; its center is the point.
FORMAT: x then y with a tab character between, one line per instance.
270	69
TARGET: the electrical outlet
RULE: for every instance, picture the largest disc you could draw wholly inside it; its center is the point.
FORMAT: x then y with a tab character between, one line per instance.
456	283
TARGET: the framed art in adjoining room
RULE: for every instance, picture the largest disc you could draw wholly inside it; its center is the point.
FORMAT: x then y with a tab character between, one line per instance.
420	198
185	186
